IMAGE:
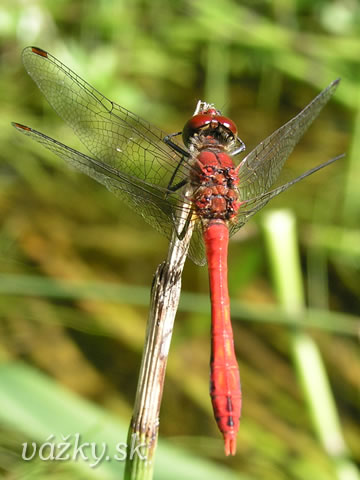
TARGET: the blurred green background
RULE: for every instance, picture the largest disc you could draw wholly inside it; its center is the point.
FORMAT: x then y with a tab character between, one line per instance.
76	265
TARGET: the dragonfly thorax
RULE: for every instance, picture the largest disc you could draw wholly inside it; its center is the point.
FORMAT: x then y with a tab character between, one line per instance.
215	179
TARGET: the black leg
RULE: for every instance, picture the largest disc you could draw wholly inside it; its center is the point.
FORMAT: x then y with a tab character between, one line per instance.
173	188
174	146
184	154
239	149
181	234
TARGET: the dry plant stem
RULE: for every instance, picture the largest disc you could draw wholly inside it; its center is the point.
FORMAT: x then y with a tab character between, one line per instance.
165	296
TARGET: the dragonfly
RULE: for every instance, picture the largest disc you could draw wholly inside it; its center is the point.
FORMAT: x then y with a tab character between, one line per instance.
160	177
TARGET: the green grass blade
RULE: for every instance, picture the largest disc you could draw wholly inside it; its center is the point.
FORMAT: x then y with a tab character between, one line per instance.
281	238
30	285
38	407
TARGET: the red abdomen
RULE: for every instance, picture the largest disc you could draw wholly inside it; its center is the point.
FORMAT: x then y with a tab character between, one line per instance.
225	387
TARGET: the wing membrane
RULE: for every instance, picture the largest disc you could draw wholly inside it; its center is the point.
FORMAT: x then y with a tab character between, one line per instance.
129	157
261	167
111	133
251	206
144	198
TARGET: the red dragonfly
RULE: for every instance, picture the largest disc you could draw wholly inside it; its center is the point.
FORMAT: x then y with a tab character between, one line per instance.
154	174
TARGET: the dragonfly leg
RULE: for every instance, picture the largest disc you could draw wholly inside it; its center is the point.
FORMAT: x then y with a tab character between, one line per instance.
181	234
184	153
173	188
174	146
239	149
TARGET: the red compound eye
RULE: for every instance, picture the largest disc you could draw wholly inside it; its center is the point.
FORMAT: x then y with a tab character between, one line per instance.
199	121
195	124
227	123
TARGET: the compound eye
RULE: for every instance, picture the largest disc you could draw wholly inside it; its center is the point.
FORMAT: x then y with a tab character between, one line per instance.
195	124
200	120
227	123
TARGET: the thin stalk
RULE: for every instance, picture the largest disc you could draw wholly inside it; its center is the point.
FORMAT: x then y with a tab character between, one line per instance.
165	296
281	238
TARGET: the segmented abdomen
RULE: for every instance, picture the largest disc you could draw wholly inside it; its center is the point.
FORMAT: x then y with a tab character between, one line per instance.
225	390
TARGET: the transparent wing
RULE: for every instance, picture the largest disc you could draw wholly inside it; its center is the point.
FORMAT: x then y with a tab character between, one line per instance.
149	199
112	134
251	206
261	167
197	246
159	213
129	156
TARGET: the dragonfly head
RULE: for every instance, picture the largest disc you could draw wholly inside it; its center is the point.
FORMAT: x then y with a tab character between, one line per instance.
207	127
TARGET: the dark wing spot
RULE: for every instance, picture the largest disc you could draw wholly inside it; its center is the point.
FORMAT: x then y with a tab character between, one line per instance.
39	51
